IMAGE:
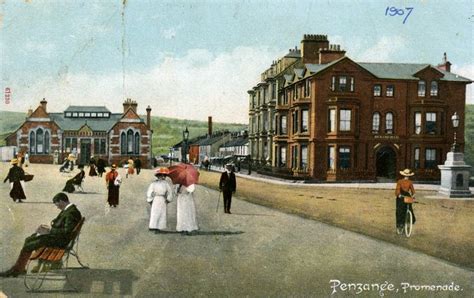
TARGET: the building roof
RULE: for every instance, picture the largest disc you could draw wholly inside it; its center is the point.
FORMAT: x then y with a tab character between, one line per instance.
96	124
293	53
99	109
236	142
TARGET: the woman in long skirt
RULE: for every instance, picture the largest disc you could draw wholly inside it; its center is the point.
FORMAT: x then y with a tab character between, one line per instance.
92	166
112	180
16	176
159	194
186	210
130	169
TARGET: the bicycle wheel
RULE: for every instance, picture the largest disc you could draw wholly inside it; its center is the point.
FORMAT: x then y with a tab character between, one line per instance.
408	223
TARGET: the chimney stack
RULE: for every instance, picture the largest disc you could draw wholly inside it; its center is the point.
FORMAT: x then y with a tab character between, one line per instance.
43	104
327	55
148	117
129	103
310	46
209	125
446	65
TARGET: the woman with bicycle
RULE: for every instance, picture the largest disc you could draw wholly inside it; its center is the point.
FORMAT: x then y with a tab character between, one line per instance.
404	189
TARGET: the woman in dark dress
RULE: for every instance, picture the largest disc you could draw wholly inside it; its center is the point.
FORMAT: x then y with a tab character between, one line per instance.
16	175
100	166
113	180
92	171
76	180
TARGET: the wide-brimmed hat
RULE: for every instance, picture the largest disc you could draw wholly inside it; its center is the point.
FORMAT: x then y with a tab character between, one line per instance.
162	171
407	173
14	161
114	166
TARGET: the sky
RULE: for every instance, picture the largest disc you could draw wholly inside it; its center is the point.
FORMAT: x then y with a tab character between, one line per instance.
194	59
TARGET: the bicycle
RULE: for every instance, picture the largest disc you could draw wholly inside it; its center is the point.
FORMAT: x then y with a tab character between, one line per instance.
408	225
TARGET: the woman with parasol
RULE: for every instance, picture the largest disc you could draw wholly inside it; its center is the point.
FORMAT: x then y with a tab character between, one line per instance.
16	175
159	194
185	176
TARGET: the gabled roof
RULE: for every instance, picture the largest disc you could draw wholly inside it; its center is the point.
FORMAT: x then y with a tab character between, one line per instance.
236	142
299	72
99	109
96	124
211	140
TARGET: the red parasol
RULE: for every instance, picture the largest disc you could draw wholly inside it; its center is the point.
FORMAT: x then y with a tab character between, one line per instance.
184	174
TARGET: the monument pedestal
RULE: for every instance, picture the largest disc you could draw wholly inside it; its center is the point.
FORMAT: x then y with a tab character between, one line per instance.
455	176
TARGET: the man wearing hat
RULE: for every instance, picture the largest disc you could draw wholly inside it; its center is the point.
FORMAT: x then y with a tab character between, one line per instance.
16	175
57	235
227	185
403	189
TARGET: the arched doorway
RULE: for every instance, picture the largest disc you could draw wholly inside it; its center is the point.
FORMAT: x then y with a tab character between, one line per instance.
386	163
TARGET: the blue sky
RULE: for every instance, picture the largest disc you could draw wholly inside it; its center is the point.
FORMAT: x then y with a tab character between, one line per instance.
193	59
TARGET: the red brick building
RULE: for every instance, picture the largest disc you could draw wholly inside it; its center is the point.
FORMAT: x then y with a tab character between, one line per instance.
84	131
340	120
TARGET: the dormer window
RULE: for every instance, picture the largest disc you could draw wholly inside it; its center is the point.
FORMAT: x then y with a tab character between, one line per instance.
81	114
421	88
434	88
74	114
68	114
100	114
93	115
87	114
106	115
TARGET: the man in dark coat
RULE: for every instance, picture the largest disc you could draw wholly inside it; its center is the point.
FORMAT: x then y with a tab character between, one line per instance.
15	176
56	235
137	163
228	185
100	166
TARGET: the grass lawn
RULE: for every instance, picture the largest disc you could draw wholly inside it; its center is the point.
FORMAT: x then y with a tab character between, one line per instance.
443	229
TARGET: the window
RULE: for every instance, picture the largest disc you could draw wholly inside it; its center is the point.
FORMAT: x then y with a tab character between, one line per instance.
416	158
344	158
430	123
102	146
390	91
376	122
304	120
304	157
377	90
333	83
68	114
342	83
282	156
430	158
345	120
130	141
297	92
332	120
32	142
46	142
274	86
123	143
99	146
94	115
283	126
294	160
421	88
417	123
100	114
74	144
136	149
81	114
39	141
307	88
331	158
106	115
389	123
434	88
87	114
295	122
74	114
352	84
67	145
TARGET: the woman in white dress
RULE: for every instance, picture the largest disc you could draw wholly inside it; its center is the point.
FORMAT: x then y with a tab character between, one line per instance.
159	194
186	210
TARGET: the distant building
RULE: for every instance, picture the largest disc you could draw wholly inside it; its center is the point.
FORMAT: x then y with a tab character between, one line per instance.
318	114
84	131
238	145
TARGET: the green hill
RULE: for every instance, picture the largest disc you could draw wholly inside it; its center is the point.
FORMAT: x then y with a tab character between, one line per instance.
166	131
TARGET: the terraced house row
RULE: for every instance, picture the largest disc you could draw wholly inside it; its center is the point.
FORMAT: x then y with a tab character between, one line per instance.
316	113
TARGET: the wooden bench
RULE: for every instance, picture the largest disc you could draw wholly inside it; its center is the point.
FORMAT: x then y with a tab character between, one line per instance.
47	258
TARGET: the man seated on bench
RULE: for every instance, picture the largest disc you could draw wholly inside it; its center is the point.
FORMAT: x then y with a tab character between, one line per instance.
56	235
76	180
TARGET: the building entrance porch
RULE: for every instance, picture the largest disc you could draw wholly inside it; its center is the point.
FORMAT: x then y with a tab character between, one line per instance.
386	164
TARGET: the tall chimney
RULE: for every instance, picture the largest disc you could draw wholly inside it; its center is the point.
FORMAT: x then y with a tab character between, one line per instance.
148	117
43	104
209	125
310	46
446	65
129	103
327	55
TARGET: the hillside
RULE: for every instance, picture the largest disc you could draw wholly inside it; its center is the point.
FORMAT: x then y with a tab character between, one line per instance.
166	131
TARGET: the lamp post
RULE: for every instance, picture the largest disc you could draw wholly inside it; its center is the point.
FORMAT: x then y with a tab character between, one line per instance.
455	120
185	143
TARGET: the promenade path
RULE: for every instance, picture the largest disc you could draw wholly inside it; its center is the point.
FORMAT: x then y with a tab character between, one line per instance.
255	252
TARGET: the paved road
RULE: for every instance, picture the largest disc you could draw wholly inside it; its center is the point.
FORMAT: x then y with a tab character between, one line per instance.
255	252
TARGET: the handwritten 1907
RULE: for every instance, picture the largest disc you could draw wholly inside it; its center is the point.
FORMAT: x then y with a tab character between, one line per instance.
392	11
7	95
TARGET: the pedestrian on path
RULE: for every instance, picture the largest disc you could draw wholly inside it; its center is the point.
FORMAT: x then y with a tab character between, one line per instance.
56	235
130	169
158	195
137	163
228	185
100	166
186	210
16	176
92	167
76	180
403	189
113	181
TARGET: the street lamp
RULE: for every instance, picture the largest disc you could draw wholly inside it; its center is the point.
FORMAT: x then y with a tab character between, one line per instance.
185	143
455	119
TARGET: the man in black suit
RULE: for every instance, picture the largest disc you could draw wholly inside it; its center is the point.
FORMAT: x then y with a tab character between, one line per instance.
228	185
56	235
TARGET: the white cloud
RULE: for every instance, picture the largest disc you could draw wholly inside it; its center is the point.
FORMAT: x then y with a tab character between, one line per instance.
383	51
466	71
195	86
